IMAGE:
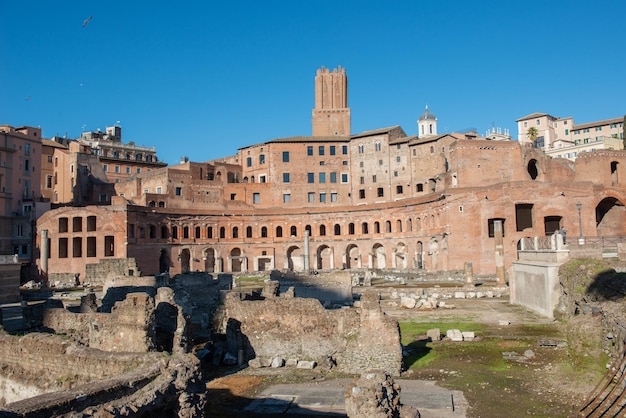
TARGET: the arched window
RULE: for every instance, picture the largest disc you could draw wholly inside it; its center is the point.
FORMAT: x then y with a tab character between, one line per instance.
263	232
364	228
377	227
186	232
388	226
209	232
308	229
351	228
322	230
248	232
337	229
293	231
399	224
174	232
222	232
164	232
279	231
197	235
235	232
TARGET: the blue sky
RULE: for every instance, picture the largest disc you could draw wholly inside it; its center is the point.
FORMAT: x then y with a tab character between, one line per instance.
204	78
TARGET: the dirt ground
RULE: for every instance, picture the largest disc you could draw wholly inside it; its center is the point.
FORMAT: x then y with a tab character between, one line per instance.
546	384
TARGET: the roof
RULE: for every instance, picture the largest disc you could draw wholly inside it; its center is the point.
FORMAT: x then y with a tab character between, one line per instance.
598	123
427	115
534	115
51	143
375	132
402	140
300	139
423	140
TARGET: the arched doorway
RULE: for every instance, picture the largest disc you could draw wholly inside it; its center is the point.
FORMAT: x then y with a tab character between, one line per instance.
324	259
353	257
164	261
401	259
295	258
378	256
209	260
610	217
419	255
236	260
185	257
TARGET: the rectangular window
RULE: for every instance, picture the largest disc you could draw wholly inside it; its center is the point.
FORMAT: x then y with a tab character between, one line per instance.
322	197
285	177
62	247
333	177
362	194
77	247
262	159
310	177
420	187
109	246
309	150
361	148
523	216
333	150
361	164
138	170
249	162
362	180
127	170
159	190
91	223
49	182
491	226
321	150
26	165
178	191
598	128
105	168
395	174
19	231
117	168
567	132
311	197
380	162
374	178
344	149
256	198
91	246
285	156
333	197
344	177
233	196
398	159
286	197
377	146
399	189
322	177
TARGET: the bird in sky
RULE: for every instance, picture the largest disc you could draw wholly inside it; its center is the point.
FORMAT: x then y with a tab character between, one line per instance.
86	21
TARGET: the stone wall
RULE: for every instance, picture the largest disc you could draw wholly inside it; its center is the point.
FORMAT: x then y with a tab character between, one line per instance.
9	279
297	328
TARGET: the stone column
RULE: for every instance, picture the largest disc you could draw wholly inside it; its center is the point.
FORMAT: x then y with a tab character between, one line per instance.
499	240
43	257
306	250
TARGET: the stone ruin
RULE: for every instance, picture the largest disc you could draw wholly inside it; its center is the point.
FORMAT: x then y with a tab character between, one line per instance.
376	395
105	363
284	326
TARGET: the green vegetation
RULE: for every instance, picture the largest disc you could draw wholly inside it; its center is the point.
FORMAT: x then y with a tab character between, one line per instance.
479	367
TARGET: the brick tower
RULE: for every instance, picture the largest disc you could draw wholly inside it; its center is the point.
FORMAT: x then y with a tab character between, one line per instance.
331	116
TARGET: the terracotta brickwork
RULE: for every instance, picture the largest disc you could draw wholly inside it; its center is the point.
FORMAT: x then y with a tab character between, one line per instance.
378	199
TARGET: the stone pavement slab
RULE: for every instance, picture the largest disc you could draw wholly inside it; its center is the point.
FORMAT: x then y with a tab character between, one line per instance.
326	398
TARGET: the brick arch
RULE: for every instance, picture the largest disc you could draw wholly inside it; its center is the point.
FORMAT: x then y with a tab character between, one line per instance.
400	256
295	258
352	256
324	258
379	259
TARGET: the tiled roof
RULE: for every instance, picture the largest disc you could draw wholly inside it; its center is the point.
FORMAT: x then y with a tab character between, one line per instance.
597	123
533	116
375	132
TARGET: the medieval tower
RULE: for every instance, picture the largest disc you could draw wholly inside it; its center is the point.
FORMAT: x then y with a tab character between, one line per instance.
331	116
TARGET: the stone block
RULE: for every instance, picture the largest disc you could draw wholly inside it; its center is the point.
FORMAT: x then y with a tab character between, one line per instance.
459	295
468	335
408	302
454	335
434	334
255	363
291	362
305	364
277	362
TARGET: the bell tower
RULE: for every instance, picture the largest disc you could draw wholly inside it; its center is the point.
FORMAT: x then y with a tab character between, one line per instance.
331	115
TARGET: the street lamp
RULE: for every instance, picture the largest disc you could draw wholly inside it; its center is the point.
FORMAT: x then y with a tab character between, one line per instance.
581	240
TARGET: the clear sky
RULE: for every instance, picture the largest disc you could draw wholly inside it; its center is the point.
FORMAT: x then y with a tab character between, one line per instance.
204	78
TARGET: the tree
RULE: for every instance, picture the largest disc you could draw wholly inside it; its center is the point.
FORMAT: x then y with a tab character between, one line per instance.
532	134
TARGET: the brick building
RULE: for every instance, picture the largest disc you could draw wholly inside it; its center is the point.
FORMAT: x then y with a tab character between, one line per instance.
378	199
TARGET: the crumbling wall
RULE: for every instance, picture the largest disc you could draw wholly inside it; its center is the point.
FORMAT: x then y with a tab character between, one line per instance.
298	328
53	362
110	268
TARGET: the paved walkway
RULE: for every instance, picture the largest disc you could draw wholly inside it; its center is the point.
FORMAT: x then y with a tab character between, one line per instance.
326	398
